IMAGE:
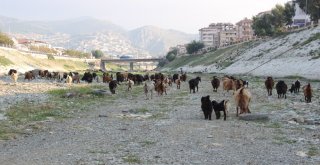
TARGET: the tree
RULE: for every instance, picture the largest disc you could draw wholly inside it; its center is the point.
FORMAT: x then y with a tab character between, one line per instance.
288	13
171	55
278	17
5	40
194	46
262	26
97	53
311	7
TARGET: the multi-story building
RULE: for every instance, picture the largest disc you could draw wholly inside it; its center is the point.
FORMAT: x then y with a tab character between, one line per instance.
223	34
244	30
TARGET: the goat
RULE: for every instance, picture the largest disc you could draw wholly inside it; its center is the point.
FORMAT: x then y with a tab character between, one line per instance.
282	88
206	106
178	82
193	84
148	88
14	77
307	93
69	79
222	106
228	84
215	83
130	84
269	83
242	99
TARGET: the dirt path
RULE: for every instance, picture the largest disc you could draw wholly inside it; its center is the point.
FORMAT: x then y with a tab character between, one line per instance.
171	130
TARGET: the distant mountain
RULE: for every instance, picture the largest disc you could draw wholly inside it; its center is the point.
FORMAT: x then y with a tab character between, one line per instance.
87	33
157	40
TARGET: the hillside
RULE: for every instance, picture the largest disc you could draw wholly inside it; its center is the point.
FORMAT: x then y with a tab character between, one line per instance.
86	33
12	59
295	54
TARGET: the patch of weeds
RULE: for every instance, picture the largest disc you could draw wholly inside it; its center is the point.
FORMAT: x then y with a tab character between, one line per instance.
4	61
274	125
313	151
141	110
296	43
283	140
68	67
147	143
159	115
98	152
312	38
132	159
7	132
25	112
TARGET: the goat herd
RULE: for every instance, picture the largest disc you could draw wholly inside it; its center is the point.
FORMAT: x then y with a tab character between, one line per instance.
159	83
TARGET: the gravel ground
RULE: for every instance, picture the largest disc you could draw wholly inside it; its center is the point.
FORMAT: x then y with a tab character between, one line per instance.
123	132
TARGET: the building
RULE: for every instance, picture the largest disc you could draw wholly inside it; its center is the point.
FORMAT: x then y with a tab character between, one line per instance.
210	36
244	30
228	37
300	17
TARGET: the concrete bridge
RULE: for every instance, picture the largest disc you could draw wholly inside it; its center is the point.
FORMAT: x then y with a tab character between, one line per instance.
127	60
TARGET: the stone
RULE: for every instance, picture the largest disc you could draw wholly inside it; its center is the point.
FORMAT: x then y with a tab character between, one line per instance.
309	121
254	117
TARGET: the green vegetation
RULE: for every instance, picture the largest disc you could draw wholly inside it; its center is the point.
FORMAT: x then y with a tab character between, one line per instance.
76	53
4	61
64	103
131	159
43	49
147	143
312	38
97	53
171	55
194	47
5	40
313	151
50	57
273	23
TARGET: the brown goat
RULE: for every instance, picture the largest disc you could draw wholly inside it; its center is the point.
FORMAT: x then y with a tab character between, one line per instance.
269	83
228	84
178	82
242	99
307	93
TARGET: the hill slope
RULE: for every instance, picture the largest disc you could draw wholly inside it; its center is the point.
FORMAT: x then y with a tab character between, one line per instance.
296	54
86	33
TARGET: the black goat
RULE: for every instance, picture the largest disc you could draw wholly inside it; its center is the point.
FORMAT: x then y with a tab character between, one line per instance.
206	107
193	83
281	89
222	106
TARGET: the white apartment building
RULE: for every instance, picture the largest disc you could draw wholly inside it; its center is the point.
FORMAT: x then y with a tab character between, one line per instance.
223	34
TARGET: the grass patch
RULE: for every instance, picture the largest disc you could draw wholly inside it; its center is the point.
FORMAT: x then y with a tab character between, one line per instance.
98	152
282	140
296	43
26	112
310	39
313	151
68	67
132	159
274	125
147	143
4	61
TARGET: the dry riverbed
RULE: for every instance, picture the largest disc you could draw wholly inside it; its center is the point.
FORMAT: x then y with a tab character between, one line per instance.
46	122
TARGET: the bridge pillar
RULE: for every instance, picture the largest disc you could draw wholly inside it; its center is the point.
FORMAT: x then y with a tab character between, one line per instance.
131	66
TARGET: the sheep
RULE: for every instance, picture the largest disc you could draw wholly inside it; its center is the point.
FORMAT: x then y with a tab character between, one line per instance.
269	83
281	87
206	106
307	93
242	99
193	84
222	106
215	83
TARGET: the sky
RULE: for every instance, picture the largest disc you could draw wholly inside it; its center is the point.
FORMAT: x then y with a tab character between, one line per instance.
183	15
